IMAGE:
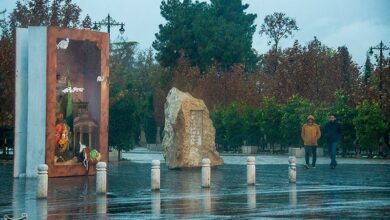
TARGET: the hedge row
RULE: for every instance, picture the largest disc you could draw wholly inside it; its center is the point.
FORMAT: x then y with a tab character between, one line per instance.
274	123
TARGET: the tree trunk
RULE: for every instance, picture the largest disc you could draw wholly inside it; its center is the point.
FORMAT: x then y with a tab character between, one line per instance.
158	137
4	147
142	139
344	152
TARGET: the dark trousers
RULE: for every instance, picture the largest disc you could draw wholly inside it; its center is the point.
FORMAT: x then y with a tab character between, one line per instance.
332	153
311	150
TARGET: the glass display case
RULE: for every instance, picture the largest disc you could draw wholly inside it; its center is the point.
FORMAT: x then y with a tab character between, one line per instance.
77	101
61	100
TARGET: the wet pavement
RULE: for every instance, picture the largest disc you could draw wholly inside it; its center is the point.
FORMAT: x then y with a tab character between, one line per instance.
355	189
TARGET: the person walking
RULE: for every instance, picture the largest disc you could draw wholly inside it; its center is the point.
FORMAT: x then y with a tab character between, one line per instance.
332	134
310	134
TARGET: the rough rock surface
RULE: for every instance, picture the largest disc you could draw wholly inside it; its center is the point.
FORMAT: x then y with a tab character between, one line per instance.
189	134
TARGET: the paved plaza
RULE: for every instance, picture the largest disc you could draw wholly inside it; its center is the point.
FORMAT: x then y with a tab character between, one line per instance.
356	188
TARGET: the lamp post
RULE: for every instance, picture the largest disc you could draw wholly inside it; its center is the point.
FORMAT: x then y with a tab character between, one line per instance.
108	21
381	47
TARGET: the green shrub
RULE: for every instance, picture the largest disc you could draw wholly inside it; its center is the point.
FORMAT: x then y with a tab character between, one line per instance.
234	126
282	123
345	115
321	114
369	124
216	116
251	118
294	114
271	116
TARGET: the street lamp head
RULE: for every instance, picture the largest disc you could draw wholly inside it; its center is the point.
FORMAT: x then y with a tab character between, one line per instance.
95	27
371	51
122	29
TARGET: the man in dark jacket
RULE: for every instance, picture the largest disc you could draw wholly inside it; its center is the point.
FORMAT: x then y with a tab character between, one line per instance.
332	134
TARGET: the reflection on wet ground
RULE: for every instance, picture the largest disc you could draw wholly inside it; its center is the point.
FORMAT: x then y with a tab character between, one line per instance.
351	190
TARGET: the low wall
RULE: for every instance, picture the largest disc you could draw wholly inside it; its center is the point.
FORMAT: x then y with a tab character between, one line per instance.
113	156
154	147
249	149
300	151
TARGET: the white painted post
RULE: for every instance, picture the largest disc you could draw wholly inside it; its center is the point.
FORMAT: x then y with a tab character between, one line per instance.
206	200
156	203
251	197
42	181
293	195
206	173
251	171
155	175
101	178
101	205
292	170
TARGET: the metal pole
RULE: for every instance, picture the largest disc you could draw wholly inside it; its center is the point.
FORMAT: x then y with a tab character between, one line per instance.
108	24
381	47
380	67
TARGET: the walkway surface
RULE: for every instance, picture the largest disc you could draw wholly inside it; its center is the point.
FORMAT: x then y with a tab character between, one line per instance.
356	188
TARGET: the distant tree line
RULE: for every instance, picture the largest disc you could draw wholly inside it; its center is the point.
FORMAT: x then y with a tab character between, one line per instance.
288	84
280	123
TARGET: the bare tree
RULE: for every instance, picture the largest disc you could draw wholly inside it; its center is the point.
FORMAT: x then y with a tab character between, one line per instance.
278	26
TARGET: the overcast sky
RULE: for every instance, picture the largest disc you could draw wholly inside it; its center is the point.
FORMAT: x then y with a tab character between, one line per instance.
357	24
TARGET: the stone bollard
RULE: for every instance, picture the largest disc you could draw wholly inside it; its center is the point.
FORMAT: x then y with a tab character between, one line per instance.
155	175
251	197
42	181
101	178
251	171
206	173
292	169
101	206
206	200
293	195
156	203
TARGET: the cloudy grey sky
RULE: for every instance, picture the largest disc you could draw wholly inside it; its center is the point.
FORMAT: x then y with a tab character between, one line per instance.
357	24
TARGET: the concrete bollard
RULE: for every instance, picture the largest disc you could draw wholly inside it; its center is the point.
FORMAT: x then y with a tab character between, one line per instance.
251	170
206	200
101	206
293	195
155	175
41	210
206	173
292	169
42	181
101	178
251	197
156	203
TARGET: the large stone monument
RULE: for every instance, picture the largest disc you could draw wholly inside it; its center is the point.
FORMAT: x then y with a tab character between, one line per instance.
189	134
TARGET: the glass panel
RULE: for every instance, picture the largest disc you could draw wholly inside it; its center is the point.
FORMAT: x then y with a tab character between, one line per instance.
78	100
